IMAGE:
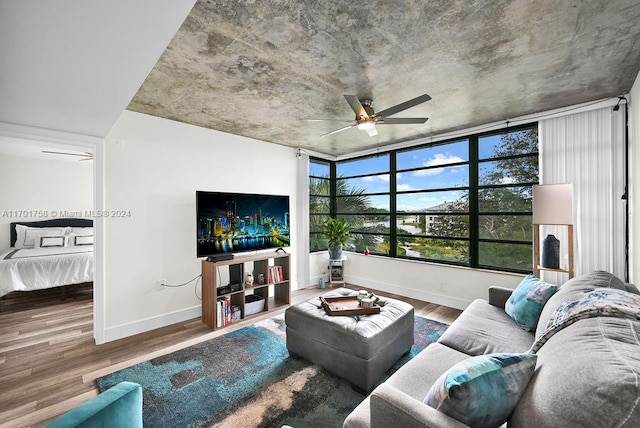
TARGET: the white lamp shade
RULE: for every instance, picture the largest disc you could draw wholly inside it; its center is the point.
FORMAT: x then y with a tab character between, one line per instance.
553	204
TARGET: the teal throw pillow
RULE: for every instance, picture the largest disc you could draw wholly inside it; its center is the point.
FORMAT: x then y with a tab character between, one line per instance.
482	391
527	300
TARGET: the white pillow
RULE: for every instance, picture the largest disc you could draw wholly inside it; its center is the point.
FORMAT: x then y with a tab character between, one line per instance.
49	241
80	231
80	240
26	235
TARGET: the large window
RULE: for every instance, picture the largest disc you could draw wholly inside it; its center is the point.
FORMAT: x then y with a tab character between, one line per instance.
465	201
507	168
319	201
363	200
432	202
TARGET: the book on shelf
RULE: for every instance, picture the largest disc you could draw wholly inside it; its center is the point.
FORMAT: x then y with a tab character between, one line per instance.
223	311
275	274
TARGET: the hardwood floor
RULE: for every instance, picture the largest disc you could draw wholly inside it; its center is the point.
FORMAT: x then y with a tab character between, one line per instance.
49	361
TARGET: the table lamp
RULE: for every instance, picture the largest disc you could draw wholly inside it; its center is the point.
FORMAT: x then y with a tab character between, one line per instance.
552	205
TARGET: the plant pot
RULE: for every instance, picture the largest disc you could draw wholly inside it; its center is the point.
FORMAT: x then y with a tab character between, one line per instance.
335	252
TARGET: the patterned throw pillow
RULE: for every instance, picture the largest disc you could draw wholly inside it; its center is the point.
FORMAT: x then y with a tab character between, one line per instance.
527	300
482	391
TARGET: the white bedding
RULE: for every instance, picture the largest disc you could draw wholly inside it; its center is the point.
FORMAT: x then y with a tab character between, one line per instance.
38	268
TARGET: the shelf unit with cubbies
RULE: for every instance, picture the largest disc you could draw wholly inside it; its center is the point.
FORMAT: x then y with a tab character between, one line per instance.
275	288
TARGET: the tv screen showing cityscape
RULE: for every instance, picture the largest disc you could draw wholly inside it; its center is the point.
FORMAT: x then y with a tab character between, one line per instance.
239	222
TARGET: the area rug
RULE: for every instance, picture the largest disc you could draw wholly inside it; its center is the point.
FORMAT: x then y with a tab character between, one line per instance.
246	378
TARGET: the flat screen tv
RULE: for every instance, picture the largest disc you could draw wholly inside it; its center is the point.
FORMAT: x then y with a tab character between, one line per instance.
239	222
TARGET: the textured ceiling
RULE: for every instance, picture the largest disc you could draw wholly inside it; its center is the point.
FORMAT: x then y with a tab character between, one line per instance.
260	68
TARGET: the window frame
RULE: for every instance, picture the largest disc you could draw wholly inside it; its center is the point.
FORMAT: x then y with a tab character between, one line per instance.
314	236
474	212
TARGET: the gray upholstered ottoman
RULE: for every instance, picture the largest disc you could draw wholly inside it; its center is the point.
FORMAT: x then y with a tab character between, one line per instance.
359	349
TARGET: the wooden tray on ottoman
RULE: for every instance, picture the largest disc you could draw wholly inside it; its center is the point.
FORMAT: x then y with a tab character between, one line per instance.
346	305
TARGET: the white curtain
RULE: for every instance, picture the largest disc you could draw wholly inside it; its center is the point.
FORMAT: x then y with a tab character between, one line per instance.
587	149
302	222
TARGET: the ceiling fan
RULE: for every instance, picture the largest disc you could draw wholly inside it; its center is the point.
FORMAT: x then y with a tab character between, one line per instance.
367	119
85	155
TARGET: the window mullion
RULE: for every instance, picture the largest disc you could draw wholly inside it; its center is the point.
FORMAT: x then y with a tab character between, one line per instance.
393	224
474	220
333	186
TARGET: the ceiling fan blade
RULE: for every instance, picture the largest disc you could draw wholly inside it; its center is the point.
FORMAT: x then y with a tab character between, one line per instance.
328	120
402	120
354	102
338	130
403	106
372	131
65	153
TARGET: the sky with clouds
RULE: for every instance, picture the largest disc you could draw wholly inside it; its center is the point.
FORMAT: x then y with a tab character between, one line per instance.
445	168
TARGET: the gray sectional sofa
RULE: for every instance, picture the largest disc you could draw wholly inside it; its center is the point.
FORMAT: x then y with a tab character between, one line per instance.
587	374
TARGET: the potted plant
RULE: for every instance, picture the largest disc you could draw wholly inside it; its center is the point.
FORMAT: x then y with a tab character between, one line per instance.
336	231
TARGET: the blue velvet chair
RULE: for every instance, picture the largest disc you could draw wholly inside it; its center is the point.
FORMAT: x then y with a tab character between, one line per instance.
119	406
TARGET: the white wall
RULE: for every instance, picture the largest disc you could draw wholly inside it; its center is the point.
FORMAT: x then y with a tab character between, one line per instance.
153	168
40	184
455	287
74	66
634	181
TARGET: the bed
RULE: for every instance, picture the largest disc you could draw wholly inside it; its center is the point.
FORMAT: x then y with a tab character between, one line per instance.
47	254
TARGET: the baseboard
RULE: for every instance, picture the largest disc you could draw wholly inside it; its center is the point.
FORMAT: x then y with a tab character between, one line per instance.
137	327
438	299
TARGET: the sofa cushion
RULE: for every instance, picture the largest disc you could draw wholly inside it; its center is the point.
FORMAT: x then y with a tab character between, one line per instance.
631	288
417	375
609	280
485	329
527	300
391	407
482	390
588	376
573	289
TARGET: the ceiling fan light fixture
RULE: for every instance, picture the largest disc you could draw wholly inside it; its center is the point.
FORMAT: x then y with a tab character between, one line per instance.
366	125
